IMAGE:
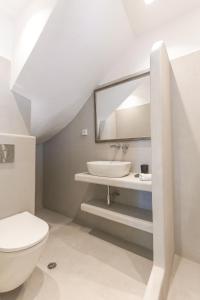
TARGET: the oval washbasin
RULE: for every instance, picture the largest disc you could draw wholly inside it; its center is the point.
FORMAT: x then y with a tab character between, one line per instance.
109	168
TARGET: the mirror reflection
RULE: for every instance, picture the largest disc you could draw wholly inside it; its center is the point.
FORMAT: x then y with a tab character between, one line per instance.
123	110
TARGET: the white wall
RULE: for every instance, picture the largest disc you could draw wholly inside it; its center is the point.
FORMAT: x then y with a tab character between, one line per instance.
162	162
28	29
11	119
6	36
181	37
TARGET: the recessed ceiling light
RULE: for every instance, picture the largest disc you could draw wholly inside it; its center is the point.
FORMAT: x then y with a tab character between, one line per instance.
149	1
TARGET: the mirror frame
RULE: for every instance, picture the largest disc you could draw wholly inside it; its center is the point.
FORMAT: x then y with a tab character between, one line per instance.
110	85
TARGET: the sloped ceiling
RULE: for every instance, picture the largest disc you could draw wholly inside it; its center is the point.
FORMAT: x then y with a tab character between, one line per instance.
144	18
13	8
81	40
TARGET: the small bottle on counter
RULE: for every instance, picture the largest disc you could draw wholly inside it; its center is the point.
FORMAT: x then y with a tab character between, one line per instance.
144	169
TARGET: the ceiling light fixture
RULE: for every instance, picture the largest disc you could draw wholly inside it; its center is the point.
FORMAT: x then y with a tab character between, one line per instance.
149	1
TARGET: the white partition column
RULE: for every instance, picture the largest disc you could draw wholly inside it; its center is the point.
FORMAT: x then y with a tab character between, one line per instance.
162	184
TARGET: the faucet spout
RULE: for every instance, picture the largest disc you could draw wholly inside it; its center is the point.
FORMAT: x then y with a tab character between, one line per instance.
116	146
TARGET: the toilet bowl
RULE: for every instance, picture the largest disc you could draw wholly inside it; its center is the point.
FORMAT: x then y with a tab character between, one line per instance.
22	240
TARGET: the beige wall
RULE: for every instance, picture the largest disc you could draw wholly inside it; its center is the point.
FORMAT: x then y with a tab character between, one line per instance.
186	129
67	154
17	180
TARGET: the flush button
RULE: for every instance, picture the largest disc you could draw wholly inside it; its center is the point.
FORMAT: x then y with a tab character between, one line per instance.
84	132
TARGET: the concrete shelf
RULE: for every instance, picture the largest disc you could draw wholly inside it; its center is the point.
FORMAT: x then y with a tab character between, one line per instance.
128	182
128	215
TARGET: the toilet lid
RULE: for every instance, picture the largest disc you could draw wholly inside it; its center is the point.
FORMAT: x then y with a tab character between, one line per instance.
21	231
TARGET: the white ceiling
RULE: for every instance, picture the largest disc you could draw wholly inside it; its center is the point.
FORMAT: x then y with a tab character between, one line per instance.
80	41
144	17
13	7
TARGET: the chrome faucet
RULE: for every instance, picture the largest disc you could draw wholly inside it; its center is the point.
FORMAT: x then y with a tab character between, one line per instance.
116	146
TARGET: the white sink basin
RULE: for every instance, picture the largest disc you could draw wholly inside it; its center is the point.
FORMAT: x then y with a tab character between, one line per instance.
109	168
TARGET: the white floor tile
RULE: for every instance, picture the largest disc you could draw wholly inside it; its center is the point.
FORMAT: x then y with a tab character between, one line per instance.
185	283
88	268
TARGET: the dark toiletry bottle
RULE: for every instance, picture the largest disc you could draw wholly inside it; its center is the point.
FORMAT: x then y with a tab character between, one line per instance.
144	169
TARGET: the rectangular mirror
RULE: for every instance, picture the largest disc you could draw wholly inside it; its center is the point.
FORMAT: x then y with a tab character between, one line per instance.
122	110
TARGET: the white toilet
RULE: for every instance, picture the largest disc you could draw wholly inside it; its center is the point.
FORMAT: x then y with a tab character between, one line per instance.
22	239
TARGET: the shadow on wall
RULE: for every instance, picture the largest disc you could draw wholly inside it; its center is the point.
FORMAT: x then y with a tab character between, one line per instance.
24	106
186	149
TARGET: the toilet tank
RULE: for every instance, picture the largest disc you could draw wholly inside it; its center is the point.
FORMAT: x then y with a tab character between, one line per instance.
17	174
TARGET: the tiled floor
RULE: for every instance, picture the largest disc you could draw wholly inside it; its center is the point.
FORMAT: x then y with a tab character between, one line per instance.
88	267
185	280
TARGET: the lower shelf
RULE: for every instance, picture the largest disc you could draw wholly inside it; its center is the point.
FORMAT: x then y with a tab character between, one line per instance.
131	216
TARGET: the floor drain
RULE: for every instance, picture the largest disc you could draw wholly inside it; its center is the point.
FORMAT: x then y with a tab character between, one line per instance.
52	265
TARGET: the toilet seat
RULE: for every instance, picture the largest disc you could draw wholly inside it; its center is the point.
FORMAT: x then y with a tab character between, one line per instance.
21	231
